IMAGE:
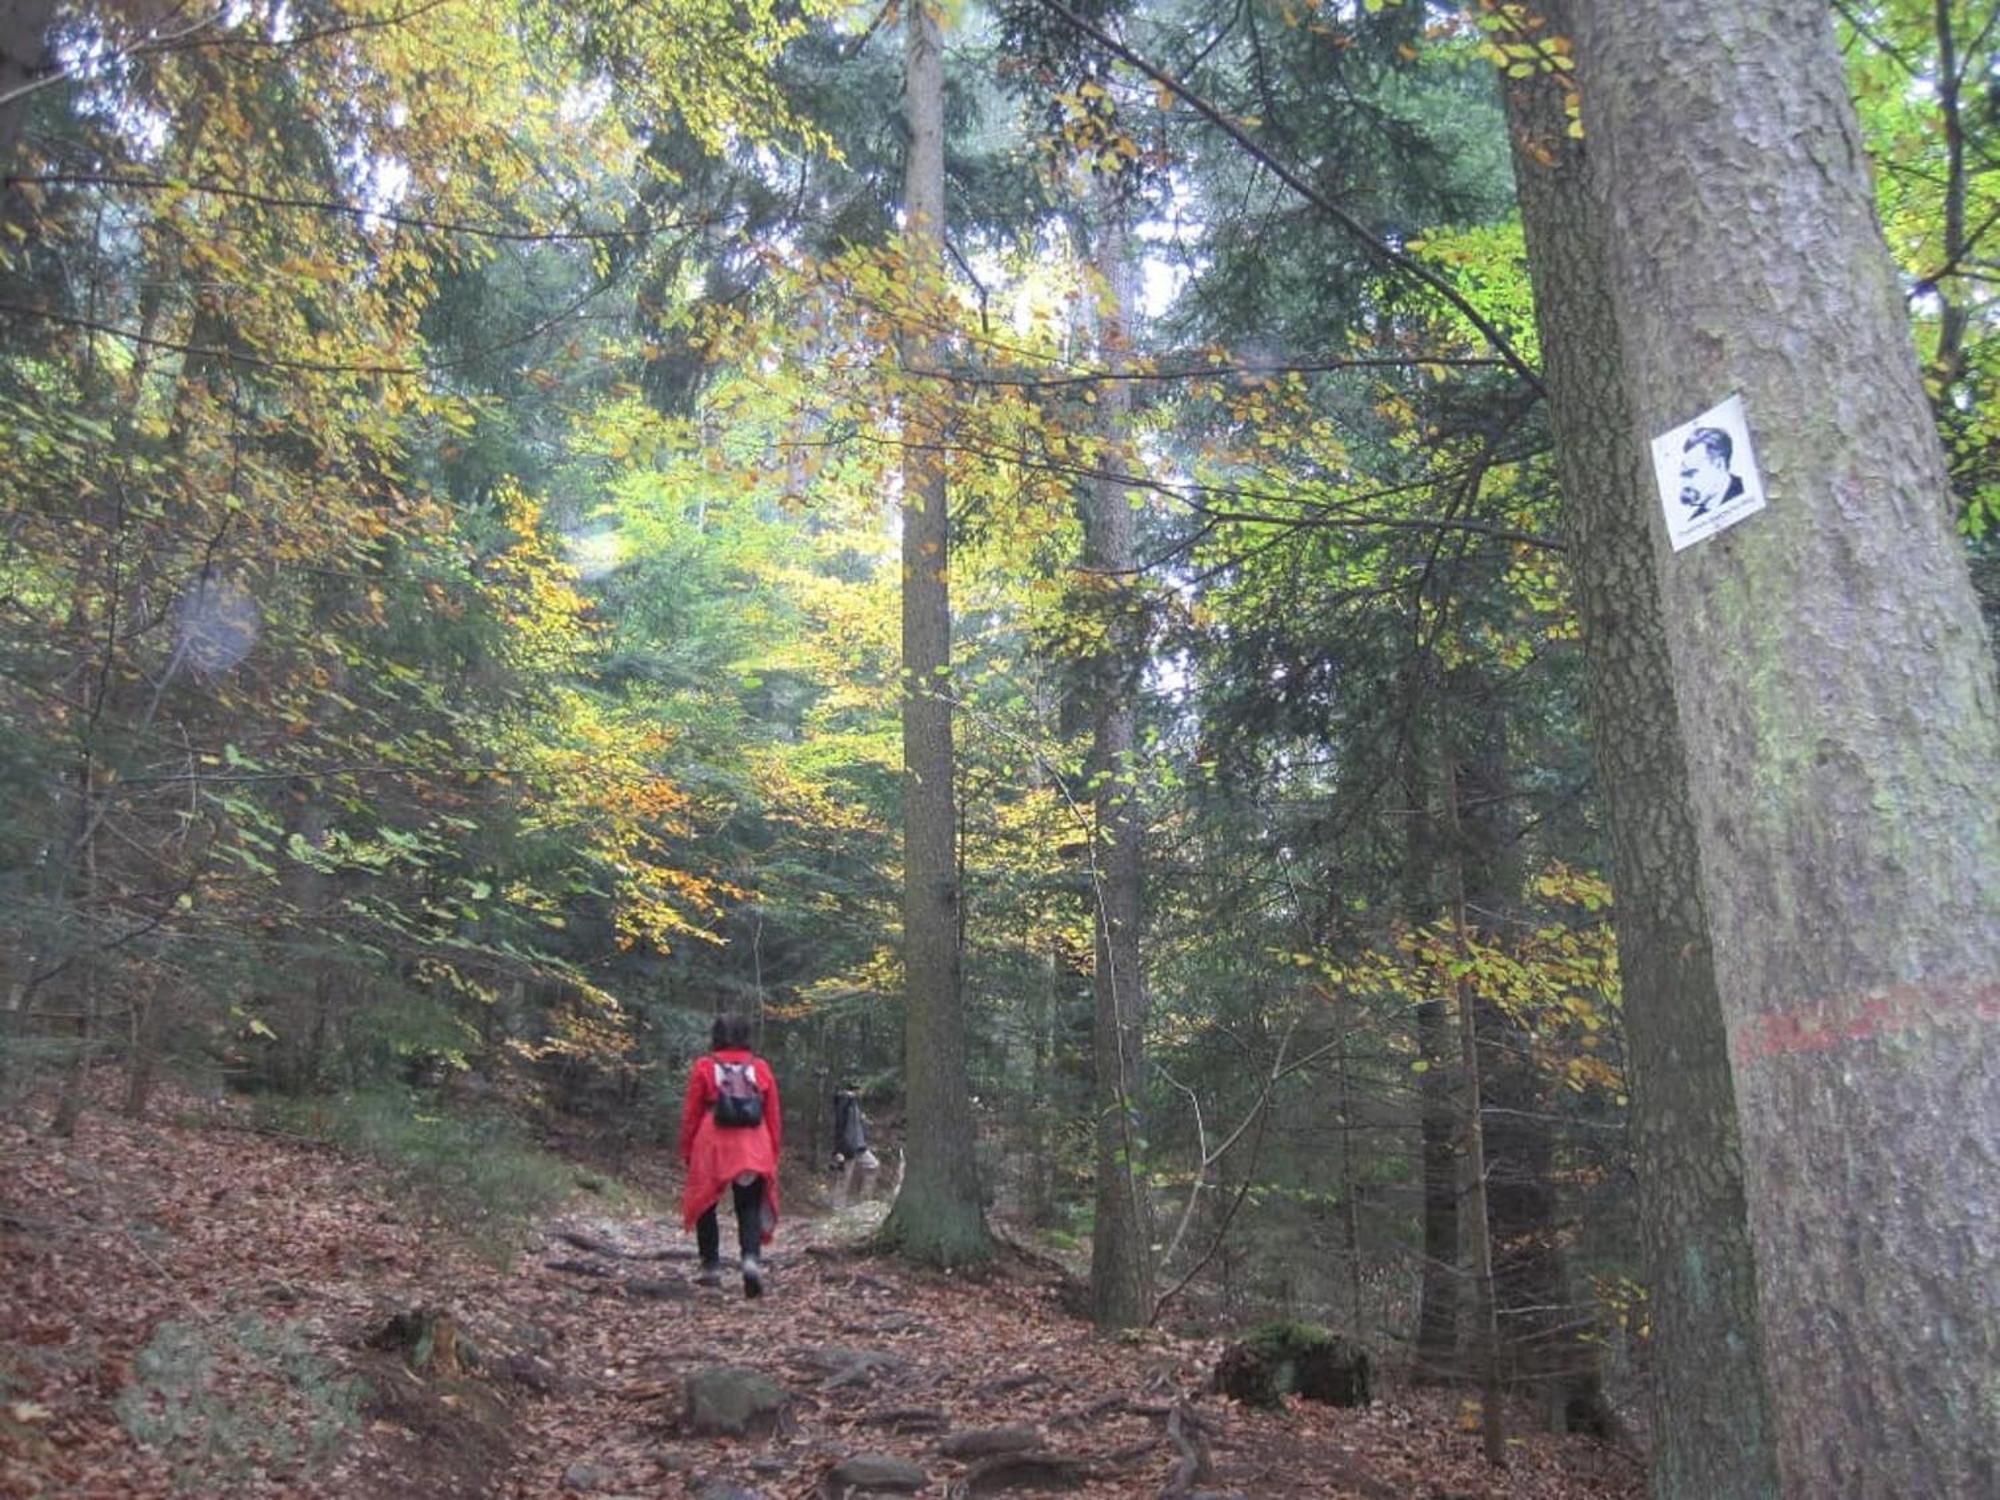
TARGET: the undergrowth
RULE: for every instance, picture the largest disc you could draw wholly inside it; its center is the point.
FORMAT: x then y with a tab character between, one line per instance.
285	1409
477	1173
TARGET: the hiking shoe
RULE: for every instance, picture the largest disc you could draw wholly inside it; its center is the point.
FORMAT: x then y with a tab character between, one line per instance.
711	1274
753	1276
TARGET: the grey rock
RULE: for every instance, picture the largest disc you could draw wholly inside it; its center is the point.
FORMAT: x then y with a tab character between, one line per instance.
1062	1472
532	1373
850	1367
981	1442
726	1401
581	1476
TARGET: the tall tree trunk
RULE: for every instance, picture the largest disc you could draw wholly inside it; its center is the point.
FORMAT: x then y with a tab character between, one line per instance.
1120	1257
937	1216
1711	1434
1838	714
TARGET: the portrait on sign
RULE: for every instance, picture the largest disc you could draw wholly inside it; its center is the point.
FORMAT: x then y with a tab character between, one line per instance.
1707	474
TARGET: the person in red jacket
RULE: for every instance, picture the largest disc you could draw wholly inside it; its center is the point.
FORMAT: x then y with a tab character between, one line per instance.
731	1127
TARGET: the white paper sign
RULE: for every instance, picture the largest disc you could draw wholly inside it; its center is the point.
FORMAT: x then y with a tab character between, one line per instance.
1707	474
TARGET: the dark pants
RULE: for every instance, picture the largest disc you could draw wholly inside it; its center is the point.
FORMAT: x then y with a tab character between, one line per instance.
749	1224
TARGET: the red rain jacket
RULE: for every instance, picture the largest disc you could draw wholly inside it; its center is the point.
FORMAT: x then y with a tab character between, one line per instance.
717	1154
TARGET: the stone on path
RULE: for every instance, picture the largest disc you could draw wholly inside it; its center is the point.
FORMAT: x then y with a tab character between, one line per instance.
981	1442
855	1367
1062	1472
876	1472
727	1401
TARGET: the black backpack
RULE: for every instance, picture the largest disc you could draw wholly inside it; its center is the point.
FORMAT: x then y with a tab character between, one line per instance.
738	1100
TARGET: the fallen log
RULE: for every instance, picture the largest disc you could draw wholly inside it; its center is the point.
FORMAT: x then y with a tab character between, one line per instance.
598	1246
579	1267
908	1419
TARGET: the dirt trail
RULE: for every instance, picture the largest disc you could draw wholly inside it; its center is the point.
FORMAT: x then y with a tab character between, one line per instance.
225	1296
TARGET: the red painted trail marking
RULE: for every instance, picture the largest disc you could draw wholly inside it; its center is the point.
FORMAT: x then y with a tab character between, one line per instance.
1821	1025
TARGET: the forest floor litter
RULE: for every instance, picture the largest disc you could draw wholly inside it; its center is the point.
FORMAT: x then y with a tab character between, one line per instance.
189	1306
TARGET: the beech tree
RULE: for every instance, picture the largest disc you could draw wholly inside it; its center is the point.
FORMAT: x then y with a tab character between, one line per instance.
1836	704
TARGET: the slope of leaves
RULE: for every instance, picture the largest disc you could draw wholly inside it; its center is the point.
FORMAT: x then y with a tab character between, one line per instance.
216	1290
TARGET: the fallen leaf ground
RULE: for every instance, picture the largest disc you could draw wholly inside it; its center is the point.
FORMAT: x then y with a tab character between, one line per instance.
215	1290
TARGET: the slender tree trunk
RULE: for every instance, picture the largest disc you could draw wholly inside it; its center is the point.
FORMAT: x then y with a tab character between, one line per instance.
305	1032
1437	1294
1711	1435
1837	704
1041	1187
146	1037
1350	1197
1517	1136
937	1216
1121	1293
1948	363
101	566
1437	1298
1492	1417
76	1076
1043	1005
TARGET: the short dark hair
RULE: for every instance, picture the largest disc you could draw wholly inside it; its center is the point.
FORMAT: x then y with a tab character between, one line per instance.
1715	440
731	1029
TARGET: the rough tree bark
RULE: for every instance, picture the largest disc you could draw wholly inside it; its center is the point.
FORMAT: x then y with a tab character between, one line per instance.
936	1218
1711	1434
1121	1293
1838	712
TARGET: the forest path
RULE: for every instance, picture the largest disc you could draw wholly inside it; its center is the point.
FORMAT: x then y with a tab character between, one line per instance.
189	1307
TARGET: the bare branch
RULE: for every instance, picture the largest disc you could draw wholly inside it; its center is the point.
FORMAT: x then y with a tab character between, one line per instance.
1376	248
